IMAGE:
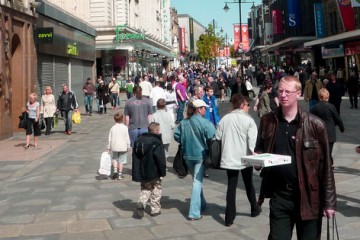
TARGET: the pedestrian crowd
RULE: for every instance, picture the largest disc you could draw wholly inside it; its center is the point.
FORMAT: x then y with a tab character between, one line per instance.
183	105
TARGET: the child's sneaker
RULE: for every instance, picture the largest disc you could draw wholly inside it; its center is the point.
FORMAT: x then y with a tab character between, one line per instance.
120	177
140	210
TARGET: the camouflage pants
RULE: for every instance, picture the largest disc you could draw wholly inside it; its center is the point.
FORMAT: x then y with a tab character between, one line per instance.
151	191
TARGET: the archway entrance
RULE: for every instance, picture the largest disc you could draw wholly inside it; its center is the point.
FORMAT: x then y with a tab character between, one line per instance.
17	86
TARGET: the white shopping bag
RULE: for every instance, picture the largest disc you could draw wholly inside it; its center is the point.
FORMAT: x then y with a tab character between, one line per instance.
105	164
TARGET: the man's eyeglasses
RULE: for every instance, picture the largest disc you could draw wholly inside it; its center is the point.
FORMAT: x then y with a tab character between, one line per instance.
287	93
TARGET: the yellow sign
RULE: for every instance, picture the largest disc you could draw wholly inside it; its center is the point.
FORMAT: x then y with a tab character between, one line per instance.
72	50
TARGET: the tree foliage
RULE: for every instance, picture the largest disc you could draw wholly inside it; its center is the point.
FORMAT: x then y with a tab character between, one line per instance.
208	44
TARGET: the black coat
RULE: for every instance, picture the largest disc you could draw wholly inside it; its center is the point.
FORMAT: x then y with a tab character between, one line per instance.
327	112
152	165
235	89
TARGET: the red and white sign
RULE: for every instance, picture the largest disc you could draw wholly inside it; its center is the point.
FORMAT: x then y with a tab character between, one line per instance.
182	37
236	36
352	48
245	37
347	14
277	22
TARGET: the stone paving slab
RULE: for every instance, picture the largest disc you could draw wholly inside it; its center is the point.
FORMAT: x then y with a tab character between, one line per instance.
43	229
93	225
8	231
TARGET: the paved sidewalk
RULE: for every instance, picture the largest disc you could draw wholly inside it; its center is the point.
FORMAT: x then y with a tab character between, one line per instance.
53	191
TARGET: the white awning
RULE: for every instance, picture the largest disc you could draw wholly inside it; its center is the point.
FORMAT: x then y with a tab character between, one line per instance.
288	42
346	36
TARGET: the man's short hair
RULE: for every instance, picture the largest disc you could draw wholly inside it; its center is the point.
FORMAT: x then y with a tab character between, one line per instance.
290	78
153	126
324	95
208	88
161	103
197	87
238	99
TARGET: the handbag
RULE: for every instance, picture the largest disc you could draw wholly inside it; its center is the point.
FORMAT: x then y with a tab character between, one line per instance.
42	123
55	120
330	235
76	118
179	164
105	164
22	120
214	159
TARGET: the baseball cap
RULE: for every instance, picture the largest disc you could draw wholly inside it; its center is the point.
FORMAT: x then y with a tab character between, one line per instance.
199	103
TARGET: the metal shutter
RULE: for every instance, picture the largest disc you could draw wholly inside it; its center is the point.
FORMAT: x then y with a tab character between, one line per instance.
45	74
87	70
77	80
61	74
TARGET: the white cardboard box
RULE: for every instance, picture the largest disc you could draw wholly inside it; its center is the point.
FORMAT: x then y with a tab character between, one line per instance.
266	160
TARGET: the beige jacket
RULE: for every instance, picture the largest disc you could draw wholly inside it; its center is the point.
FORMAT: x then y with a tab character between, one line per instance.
309	88
48	105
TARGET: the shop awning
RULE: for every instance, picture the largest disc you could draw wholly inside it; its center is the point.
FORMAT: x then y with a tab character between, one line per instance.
346	36
292	42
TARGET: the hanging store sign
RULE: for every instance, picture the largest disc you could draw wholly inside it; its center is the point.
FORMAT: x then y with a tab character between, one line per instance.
277	22
319	20
182	37
120	36
44	35
191	28
347	14
293	13
332	51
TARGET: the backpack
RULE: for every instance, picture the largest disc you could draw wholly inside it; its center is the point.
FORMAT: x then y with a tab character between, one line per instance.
139	149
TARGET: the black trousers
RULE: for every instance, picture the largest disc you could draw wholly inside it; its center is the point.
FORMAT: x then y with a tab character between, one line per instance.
285	213
353	99
233	175
48	122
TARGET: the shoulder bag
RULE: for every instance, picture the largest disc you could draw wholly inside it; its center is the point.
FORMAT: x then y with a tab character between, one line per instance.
179	164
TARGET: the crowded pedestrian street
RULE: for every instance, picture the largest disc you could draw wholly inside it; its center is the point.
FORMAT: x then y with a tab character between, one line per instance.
53	191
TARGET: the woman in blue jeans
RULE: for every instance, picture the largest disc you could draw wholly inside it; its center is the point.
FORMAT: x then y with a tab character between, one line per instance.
193	134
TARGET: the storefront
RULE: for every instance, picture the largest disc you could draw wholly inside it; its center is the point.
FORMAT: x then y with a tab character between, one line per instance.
66	51
122	52
342	50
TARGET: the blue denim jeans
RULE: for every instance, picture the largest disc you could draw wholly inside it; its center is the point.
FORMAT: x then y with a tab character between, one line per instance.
135	133
180	113
197	201
114	99
67	116
88	103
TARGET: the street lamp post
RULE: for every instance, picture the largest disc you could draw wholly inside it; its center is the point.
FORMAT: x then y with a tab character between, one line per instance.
226	9
221	31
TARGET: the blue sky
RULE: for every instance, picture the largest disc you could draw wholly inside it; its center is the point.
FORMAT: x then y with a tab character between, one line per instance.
204	11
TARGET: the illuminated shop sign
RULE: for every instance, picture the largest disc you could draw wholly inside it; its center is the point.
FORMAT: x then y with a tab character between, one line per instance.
72	50
120	35
44	35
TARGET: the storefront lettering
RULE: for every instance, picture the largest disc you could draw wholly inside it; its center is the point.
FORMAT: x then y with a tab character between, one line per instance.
45	35
72	50
127	36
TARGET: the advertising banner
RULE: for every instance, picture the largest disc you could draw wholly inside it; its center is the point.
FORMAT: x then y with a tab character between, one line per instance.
245	37
347	14
355	3
236	37
319	20
277	22
182	37
269	33
191	29
293	13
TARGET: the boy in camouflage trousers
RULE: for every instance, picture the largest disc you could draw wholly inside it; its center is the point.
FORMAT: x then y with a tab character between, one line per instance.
148	167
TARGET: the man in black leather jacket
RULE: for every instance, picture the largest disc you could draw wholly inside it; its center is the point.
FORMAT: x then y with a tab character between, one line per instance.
300	192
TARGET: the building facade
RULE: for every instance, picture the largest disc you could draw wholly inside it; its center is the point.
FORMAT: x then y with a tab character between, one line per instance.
133	37
66	49
17	58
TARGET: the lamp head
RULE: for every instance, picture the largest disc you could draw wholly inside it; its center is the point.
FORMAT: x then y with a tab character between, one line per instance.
221	30
226	8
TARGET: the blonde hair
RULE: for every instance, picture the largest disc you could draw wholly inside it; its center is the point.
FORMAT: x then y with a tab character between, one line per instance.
48	87
324	95
290	78
34	95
